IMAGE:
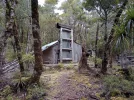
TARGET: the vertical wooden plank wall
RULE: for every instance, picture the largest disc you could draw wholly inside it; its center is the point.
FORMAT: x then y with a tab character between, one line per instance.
72	45
61	45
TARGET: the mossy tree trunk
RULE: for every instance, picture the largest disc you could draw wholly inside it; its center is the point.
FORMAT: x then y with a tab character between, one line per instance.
18	47
96	42
11	29
105	56
83	64
38	67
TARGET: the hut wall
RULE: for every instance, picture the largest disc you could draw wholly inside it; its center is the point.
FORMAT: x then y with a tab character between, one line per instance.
47	56
55	54
77	52
50	55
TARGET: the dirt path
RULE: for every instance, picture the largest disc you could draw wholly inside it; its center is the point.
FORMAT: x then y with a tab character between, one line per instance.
68	85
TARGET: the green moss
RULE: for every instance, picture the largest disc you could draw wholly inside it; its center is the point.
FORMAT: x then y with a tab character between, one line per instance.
83	98
69	67
60	66
6	91
116	67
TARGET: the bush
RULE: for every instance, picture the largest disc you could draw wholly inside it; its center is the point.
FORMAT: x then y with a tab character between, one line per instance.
99	60
10	55
69	67
60	66
27	58
36	92
116	67
131	74
118	85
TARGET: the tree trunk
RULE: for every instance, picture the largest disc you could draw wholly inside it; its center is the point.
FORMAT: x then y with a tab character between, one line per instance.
18	47
96	41
29	33
11	29
6	34
110	59
37	43
83	61
105	57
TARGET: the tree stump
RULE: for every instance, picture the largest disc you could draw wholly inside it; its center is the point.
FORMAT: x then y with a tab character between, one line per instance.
83	65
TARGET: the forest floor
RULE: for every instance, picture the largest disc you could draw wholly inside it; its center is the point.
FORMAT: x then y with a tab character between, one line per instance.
64	83
70	85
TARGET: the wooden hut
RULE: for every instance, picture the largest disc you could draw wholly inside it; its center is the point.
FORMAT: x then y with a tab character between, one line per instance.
63	50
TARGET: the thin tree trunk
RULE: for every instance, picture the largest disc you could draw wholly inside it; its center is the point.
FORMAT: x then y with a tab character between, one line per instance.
96	41
18	47
6	34
29	33
11	29
22	35
111	60
105	57
37	43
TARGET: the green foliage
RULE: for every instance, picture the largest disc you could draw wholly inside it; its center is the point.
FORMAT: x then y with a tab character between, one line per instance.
131	70
36	92
102	4
120	41
48	19
124	31
116	67
118	85
10	55
99	60
130	12
19	85
69	67
60	66
54	2
27	58
6	91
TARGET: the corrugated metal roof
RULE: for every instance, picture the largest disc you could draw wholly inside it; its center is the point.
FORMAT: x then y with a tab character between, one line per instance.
49	45
63	26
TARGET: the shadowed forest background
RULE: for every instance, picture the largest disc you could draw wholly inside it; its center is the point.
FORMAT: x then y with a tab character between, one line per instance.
103	28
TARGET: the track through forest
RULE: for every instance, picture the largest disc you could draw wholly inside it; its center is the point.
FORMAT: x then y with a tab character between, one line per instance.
69	85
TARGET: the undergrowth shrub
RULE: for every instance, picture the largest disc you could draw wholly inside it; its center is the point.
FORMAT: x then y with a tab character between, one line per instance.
33	92
36	92
27	59
117	85
60	66
69	67
132	75
10	55
116	67
19	84
98	60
